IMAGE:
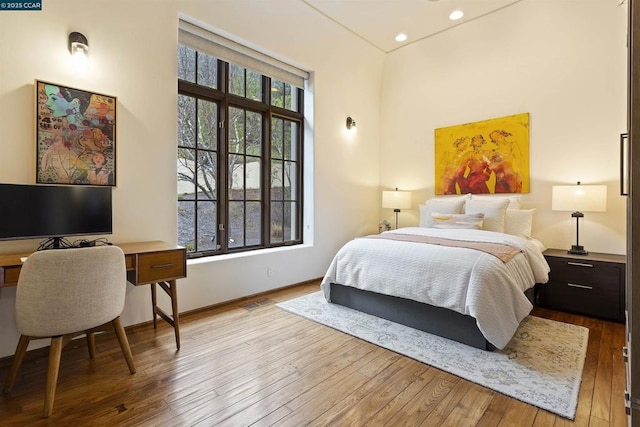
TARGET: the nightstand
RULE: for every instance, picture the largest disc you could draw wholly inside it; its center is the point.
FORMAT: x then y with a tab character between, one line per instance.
592	285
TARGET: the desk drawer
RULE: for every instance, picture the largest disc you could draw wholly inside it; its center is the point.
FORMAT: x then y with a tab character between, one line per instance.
159	266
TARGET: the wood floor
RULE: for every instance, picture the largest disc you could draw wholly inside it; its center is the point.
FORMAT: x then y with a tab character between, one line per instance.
261	366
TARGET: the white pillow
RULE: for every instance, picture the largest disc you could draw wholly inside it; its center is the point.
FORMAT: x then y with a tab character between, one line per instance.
450	198
519	222
514	201
444	205
494	213
441	220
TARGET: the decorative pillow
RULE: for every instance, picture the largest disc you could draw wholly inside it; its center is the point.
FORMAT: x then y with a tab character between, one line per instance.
494	213
473	221
514	201
518	222
445	205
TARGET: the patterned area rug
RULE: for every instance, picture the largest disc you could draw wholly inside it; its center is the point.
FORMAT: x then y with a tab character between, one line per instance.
541	365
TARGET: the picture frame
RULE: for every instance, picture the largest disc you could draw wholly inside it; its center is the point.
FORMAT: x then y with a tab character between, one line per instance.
484	157
75	136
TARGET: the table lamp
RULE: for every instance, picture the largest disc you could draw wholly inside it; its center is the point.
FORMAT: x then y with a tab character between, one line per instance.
396	200
579	198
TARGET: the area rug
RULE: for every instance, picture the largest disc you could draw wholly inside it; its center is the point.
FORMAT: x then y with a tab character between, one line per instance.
541	365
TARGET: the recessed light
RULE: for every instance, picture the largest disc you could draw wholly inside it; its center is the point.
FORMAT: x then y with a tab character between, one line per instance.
456	14
401	37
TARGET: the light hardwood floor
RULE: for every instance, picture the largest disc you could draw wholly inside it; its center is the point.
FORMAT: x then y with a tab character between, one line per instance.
261	366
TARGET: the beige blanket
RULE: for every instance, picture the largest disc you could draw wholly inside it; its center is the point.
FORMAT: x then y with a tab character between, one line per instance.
501	251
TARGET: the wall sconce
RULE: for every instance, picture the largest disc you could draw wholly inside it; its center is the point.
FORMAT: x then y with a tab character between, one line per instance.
79	49
351	124
578	198
396	200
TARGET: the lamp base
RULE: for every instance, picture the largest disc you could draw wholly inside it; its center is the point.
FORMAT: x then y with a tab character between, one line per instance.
577	250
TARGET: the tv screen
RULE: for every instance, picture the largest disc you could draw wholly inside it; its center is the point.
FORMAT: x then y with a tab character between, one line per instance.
46	211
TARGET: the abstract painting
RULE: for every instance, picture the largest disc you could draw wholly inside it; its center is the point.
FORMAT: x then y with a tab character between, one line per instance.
75	136
490	156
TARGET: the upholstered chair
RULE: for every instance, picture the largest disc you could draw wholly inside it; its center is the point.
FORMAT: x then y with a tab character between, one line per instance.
64	293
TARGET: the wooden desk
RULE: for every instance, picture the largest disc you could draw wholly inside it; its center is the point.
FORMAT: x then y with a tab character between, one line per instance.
148	263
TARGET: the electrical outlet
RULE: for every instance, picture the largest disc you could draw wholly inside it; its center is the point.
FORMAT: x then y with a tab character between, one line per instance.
269	271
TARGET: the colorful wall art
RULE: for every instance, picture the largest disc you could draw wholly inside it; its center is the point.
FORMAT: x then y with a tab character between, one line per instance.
490	156
75	136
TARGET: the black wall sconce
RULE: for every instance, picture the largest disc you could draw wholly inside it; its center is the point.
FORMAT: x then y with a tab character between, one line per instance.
79	48
351	124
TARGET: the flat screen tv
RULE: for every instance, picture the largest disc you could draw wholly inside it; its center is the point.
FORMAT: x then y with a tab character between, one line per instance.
53	211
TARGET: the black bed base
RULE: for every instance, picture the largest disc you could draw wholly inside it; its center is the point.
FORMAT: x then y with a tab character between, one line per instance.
434	320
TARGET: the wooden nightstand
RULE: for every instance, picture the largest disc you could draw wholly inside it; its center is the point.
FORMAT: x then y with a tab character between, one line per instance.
591	284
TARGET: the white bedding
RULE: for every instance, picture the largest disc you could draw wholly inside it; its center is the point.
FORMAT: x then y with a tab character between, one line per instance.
468	281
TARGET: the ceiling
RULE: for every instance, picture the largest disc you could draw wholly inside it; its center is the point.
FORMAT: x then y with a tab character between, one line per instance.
379	21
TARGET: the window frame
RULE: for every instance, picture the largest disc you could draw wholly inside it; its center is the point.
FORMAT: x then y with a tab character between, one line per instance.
225	101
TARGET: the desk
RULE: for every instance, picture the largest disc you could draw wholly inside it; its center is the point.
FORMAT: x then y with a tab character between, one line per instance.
154	263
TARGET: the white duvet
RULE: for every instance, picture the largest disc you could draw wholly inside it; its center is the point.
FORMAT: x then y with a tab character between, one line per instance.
468	281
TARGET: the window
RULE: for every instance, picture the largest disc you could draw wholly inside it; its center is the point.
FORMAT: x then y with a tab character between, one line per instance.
239	155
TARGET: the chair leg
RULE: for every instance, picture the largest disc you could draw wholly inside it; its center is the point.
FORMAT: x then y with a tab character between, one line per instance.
52	375
124	343
91	344
21	350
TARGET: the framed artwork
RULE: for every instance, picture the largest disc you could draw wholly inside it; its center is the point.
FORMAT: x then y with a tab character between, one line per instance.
490	156
75	136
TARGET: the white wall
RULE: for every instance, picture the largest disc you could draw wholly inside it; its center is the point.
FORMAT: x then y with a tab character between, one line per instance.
563	61
133	57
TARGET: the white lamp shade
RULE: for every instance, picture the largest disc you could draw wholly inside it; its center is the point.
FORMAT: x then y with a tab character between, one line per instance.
396	199
579	198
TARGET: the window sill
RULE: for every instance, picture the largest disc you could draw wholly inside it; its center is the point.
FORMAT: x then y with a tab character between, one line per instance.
258	252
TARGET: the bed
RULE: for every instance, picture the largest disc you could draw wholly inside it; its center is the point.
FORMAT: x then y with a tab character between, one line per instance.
470	285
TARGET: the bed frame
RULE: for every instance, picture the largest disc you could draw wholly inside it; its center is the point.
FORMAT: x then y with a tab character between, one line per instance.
425	317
